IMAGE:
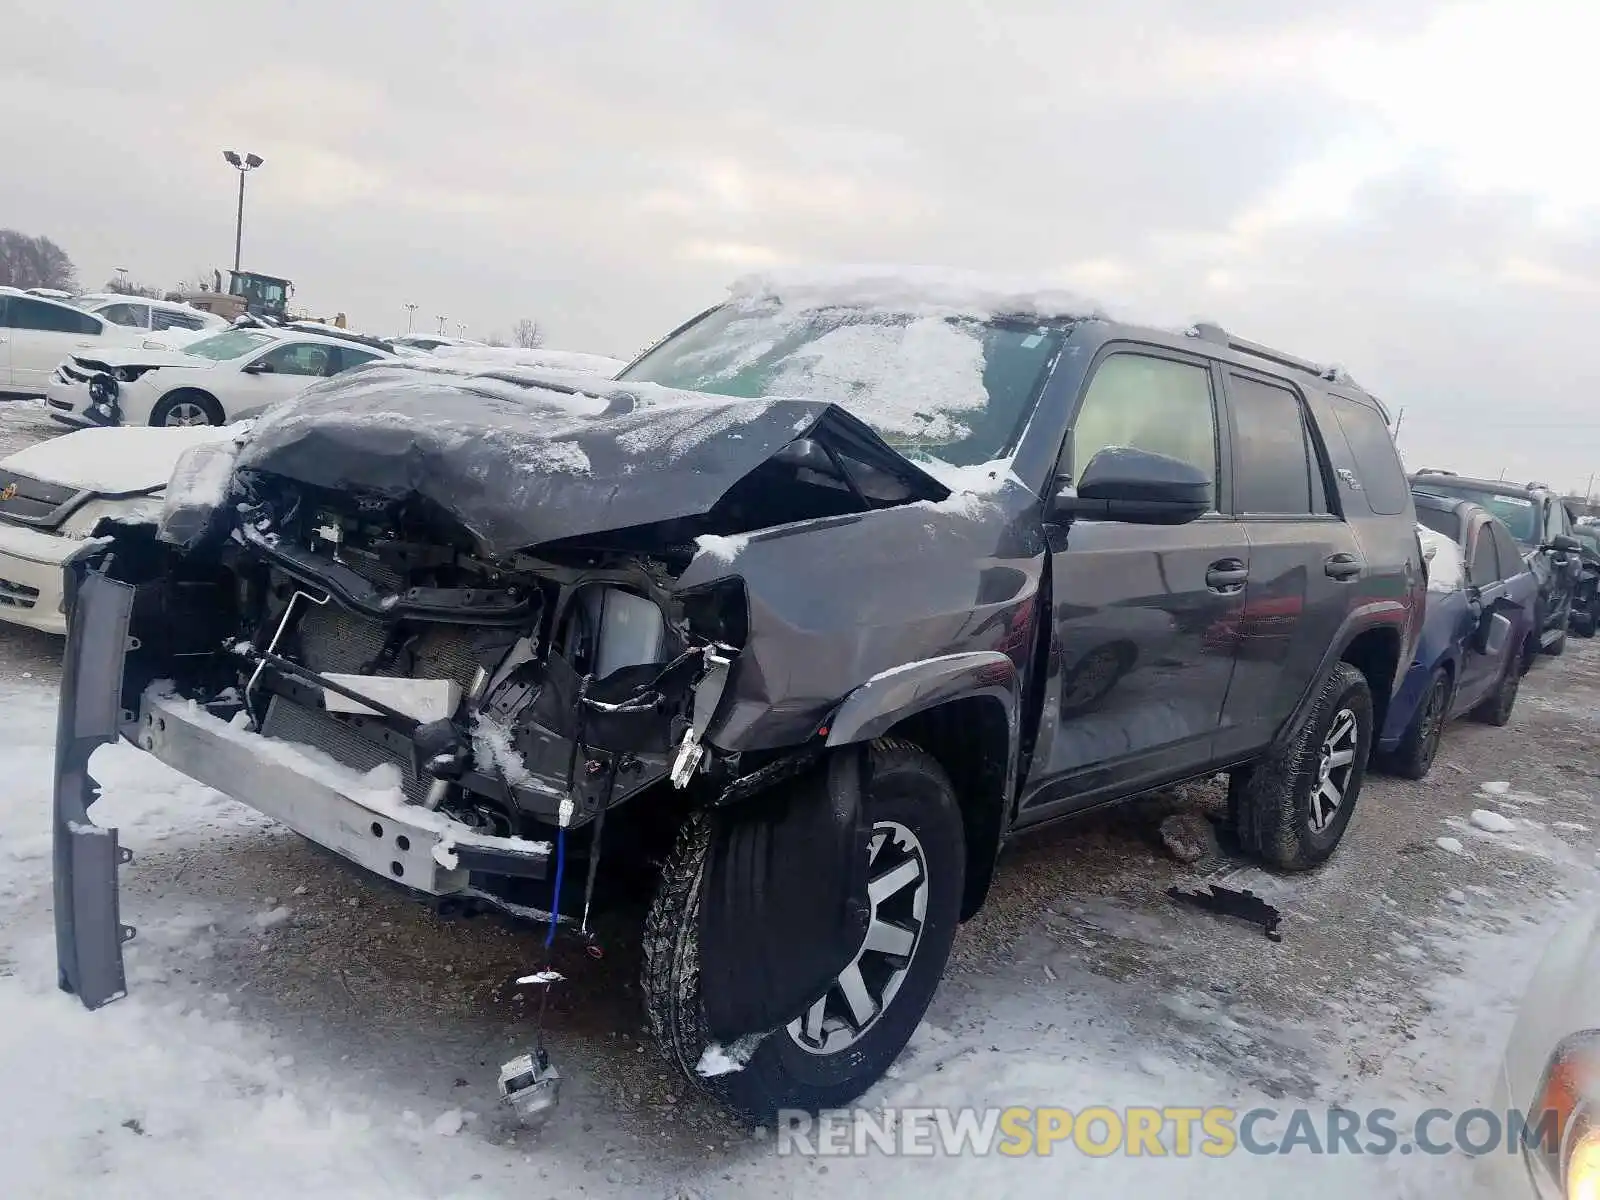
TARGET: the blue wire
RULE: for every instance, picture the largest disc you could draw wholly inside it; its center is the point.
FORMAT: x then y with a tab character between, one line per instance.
555	897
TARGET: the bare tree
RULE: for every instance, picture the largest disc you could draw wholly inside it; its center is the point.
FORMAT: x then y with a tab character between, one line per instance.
527	334
124	286
30	262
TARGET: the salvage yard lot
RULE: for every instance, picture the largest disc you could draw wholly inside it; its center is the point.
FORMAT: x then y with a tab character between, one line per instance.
299	1026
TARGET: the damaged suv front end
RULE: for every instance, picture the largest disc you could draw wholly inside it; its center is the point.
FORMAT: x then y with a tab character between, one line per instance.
451	625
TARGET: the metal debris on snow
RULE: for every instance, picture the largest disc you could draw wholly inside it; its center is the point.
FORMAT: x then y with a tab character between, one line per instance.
1230	902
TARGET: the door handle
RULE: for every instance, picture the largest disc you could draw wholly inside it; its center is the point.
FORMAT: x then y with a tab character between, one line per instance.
1227	575
1342	567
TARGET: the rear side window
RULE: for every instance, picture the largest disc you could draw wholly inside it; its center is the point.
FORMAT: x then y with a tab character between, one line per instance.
165	318
1275	469
49	318
1377	462
353	358
131	315
1445	523
1482	566
1510	554
1142	402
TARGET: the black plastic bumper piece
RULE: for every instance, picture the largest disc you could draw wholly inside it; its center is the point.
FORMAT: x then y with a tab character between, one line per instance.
89	931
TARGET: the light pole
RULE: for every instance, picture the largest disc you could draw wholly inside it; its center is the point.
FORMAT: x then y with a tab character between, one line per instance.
411	311
461	330
441	327
244	166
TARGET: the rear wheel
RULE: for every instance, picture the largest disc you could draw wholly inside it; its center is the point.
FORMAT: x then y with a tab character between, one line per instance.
1413	757
1291	808
847	1038
1496	710
186	407
1558	647
1583	624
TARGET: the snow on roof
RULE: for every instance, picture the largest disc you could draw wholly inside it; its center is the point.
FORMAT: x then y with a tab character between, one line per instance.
511	356
919	290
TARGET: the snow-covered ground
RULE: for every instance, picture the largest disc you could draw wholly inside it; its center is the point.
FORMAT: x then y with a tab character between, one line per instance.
294	1030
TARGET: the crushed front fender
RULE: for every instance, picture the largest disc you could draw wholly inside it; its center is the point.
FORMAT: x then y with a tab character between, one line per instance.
89	931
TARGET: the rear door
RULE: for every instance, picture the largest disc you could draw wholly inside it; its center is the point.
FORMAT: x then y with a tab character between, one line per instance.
42	334
1305	562
1485	575
1141	656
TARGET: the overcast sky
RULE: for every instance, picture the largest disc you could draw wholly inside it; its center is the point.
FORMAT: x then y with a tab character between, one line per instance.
1408	187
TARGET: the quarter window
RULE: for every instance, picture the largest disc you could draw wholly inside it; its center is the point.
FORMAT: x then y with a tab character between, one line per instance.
1377	461
131	315
1275	468
1141	402
1481	565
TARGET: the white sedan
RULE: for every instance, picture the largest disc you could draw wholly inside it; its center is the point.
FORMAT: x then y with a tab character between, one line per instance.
56	493
37	332
212	381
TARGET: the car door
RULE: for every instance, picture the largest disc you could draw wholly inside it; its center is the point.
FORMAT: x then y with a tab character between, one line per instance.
1141	654
1304	560
277	374
42	334
1479	671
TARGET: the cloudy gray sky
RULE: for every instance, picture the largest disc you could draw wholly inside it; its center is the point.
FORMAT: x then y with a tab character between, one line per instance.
1409	187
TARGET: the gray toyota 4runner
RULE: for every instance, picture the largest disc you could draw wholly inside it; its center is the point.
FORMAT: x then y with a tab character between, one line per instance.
797	622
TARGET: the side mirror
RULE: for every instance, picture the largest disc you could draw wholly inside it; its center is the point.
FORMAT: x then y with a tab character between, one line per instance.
1135	486
260	367
1565	544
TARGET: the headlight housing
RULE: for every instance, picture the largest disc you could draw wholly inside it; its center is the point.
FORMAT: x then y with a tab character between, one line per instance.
194	508
1562	1135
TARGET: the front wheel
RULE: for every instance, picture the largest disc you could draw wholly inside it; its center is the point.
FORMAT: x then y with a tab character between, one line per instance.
1291	808
1583	624
186	407
847	1038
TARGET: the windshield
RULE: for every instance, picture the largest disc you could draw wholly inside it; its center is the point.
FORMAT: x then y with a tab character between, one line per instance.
234	344
1518	512
955	389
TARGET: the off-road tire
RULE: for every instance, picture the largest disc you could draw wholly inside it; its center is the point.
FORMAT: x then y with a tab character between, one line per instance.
205	402
907	786
1270	801
1413	757
1496	708
1558	647
1582	624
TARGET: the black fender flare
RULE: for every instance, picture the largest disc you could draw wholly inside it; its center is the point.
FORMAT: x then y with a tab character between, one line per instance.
1354	627
889	697
883	702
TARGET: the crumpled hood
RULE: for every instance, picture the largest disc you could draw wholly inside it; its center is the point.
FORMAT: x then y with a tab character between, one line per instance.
522	460
113	461
136	356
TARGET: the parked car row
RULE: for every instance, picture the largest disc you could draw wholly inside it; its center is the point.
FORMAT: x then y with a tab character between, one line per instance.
821	601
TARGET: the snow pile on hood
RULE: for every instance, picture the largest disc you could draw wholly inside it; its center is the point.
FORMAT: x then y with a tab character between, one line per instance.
915	291
1446	571
116	460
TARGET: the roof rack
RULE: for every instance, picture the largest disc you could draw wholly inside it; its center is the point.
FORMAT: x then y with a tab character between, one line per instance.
1433	471
343	335
1216	334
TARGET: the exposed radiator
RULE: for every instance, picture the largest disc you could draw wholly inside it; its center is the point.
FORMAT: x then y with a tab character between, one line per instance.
291	722
335	640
